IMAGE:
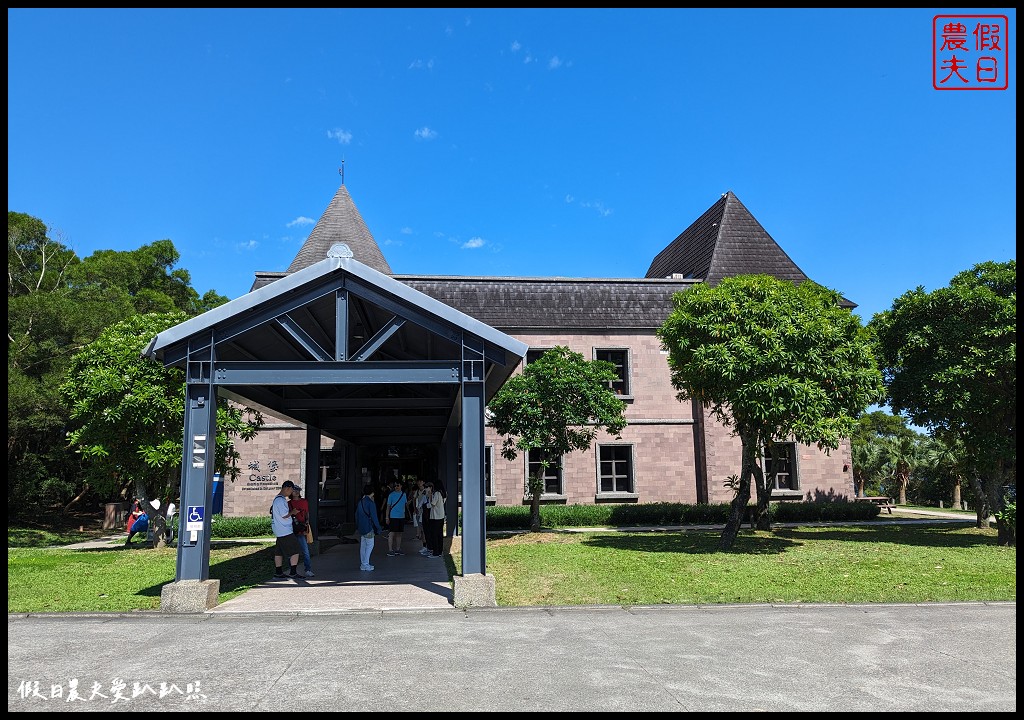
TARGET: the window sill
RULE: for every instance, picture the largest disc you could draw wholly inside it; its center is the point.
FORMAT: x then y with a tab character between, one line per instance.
625	398
551	498
616	497
787	495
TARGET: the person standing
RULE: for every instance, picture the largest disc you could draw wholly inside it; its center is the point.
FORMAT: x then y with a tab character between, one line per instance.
435	530
367	526
416	507
300	523
396	503
281	520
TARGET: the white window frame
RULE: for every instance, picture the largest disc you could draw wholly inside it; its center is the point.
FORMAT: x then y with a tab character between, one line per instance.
627	380
560	495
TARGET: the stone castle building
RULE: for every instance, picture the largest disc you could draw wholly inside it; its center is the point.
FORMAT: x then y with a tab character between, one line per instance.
668	452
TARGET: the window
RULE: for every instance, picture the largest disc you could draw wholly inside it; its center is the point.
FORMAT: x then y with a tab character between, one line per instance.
616	468
620	359
785	456
553	474
533	355
488	490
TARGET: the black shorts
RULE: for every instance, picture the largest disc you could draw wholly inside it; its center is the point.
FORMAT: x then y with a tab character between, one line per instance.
396	525
287	545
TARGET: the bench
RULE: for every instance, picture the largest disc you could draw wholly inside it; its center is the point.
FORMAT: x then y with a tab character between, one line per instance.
881	501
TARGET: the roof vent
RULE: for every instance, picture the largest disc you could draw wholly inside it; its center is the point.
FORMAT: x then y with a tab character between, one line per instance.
340	250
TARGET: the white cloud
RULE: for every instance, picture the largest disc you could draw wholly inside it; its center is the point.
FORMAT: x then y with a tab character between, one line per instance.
251	245
528	59
418	64
554	63
344	137
515	46
301	220
569	198
473	243
389	241
406	231
599	207
425	133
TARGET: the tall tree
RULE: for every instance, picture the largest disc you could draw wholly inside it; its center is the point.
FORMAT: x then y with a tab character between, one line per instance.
949	361
556	405
130	414
866	445
773	360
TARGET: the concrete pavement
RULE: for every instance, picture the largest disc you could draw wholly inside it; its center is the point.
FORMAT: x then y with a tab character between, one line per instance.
862	658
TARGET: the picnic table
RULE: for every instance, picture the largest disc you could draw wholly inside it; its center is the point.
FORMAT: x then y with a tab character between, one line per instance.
881	501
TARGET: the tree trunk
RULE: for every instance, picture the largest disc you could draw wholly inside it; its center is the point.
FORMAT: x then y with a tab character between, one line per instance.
957	500
536	488
739	503
77	497
762	519
902	481
981	508
859	481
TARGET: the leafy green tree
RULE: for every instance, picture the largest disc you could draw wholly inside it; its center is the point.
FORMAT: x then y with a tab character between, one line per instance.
146	278
130	415
949	361
556	405
867	446
901	456
944	462
773	360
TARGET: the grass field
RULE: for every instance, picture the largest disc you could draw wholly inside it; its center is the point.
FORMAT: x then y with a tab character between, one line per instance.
119	579
864	564
871	564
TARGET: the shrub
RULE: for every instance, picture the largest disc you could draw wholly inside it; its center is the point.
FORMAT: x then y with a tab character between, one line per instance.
240	527
666	513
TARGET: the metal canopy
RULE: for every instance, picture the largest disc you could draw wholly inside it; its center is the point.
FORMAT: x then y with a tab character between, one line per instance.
346	349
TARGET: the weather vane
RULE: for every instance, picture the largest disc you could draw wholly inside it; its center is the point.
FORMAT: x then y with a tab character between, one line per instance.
341	171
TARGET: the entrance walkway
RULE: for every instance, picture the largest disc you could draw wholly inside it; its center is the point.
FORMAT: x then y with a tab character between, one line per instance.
406	582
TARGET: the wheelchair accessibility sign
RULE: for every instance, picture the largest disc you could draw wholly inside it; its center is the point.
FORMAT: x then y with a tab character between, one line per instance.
194	518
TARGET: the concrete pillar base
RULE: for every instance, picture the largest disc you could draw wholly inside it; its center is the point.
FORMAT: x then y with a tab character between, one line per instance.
189	596
474	590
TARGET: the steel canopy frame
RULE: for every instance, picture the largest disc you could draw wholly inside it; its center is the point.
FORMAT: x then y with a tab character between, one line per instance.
285	348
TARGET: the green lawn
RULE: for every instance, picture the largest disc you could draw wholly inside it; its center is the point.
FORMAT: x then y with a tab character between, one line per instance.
119	579
877	564
869	564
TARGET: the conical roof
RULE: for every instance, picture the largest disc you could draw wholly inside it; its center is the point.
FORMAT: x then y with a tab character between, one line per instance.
340	223
725	241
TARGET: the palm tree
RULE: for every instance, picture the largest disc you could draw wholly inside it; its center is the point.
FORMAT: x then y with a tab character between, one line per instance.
947	455
902	455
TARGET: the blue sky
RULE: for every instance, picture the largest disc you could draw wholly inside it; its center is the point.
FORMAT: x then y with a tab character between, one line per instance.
523	142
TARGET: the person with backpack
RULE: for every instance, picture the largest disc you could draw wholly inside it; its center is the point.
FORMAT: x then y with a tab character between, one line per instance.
367	526
281	521
396	504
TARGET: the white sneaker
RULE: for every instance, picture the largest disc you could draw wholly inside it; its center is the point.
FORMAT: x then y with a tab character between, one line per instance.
309	573
366	568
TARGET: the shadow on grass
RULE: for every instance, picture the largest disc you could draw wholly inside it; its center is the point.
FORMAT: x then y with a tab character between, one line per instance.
694	543
235	573
782	539
944	535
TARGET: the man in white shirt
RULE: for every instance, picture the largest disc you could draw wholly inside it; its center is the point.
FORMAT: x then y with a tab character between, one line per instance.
287	543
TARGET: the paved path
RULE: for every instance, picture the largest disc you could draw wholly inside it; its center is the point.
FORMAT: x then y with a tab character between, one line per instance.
820	658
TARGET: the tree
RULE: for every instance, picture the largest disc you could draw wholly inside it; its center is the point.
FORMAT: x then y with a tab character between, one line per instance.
901	456
773	360
867	446
557	405
949	361
130	415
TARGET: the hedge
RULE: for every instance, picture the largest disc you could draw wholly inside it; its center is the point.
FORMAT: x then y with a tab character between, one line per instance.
517	517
